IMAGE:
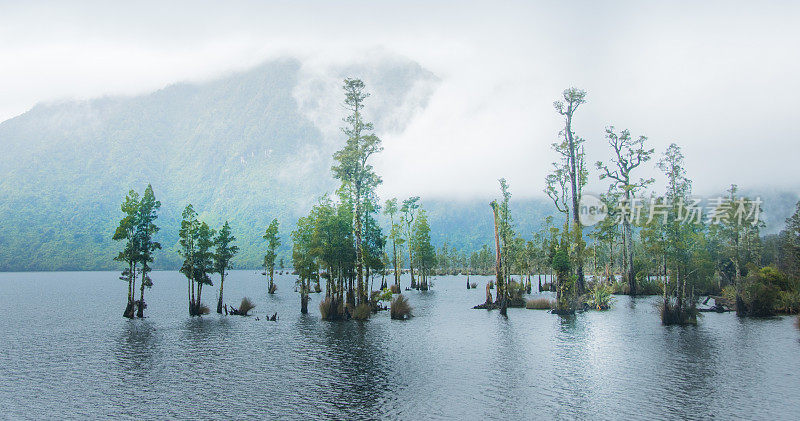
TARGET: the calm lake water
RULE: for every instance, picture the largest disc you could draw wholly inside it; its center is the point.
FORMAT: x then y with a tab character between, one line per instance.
66	352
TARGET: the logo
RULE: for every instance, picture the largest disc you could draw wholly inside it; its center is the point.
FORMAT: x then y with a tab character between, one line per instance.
591	210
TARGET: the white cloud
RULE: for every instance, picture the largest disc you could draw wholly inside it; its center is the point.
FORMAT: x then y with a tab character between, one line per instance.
718	78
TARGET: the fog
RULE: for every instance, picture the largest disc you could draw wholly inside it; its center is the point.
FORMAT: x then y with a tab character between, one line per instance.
718	78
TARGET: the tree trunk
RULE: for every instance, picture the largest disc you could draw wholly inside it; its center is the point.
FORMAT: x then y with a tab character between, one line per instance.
573	179
271	288
631	276
498	266
411	260
359	252
140	311
221	285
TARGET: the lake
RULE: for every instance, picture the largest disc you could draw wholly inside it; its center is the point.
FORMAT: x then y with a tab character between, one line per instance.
67	352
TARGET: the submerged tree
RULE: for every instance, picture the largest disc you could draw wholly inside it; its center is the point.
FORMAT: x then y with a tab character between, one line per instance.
395	235
628	155
408	210
146	228
196	240
423	249
203	263
137	228
273	242
225	250
572	150
305	248
352	168
679	305
130	253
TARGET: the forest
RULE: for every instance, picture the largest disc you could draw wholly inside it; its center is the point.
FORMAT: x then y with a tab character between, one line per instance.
635	239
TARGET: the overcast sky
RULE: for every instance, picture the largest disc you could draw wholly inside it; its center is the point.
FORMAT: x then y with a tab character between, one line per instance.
718	78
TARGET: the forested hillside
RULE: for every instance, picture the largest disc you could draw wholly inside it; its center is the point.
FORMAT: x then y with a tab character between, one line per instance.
242	148
246	148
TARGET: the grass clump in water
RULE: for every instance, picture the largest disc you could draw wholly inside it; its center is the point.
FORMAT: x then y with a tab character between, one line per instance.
362	312
400	309
244	307
540	304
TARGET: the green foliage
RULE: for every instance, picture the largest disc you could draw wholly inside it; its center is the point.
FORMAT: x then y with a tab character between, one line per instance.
273	242
424	253
600	297
385	295
225	250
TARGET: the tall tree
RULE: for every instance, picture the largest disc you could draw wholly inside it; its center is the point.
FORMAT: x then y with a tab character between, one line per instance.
130	253
506	233
352	167
408	210
305	250
203	263
146	228
629	154
498	267
225	251
273	242
390	208
735	220
423	249
188	249
571	145
679	187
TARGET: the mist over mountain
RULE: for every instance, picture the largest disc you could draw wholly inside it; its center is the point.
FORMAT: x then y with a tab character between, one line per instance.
247	148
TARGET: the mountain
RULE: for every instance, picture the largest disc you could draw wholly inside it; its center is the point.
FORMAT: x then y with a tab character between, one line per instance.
247	147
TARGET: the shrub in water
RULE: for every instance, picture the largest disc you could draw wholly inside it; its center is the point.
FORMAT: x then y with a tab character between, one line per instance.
386	295
400	310
673	314
362	312
395	289
600	297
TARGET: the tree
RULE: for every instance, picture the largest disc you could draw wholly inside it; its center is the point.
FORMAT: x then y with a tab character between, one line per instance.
146	228
304	251
390	208
506	232
225	251
408	210
423	249
735	221
203	263
374	242
273	242
628	155
188	249
352	168
130	252
677	240
573	151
